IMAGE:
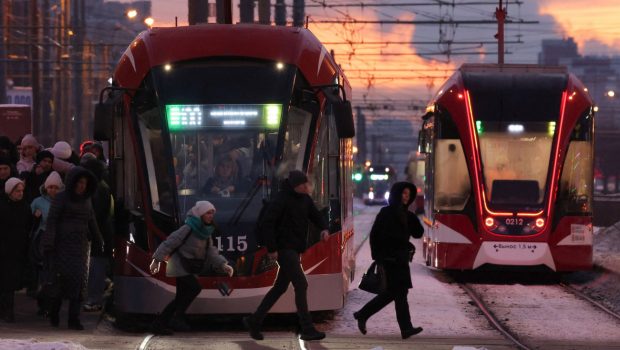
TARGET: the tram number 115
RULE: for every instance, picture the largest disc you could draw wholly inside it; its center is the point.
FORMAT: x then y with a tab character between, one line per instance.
241	244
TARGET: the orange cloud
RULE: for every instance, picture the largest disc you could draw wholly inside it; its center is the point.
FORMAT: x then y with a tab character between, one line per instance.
378	58
586	20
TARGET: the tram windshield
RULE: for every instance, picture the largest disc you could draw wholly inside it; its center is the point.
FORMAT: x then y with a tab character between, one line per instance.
515	118
223	118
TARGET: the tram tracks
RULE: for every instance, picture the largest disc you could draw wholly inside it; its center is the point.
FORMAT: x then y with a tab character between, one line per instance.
519	338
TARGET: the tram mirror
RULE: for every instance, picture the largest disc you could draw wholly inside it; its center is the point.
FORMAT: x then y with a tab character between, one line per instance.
344	119
421	142
104	121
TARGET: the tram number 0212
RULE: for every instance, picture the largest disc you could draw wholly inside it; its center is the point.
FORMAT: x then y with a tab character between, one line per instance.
514	222
232	243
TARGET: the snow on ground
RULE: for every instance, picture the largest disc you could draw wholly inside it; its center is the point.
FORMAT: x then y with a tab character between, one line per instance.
30	344
607	248
437	305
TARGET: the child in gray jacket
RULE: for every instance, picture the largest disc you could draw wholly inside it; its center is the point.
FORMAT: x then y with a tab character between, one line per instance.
191	244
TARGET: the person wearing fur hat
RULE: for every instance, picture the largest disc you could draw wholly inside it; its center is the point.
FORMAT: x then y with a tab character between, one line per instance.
193	240
35	178
29	148
284	229
16	221
40	208
71	224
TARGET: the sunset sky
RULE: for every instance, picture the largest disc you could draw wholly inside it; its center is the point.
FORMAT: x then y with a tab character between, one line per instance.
377	73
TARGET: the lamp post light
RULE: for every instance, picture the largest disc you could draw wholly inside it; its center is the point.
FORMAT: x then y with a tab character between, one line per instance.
149	21
131	14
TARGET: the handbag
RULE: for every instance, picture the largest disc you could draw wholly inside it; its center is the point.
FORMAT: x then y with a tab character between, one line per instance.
373	281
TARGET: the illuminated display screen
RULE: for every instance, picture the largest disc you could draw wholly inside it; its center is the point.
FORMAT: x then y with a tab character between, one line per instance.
187	117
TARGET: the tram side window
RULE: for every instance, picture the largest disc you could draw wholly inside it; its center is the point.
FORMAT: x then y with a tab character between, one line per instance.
452	183
150	125
295	141
575	196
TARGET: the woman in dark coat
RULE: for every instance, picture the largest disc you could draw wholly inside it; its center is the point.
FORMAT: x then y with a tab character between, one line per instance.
391	249
15	221
71	225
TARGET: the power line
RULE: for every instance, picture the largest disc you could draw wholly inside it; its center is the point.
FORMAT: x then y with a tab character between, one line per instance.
419	22
406	4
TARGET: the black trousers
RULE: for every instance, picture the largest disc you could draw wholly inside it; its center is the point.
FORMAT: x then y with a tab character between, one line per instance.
399	297
290	272
7	301
188	289
74	308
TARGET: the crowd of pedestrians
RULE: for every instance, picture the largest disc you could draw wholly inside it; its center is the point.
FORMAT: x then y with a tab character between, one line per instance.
56	218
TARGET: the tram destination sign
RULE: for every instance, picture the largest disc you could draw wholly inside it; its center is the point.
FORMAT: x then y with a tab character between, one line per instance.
190	117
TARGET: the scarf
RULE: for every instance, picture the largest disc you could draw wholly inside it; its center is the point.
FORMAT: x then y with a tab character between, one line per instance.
199	229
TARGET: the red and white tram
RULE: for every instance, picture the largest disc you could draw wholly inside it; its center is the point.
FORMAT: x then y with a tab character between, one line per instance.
509	169
246	103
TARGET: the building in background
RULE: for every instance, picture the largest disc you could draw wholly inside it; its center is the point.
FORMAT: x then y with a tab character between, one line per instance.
59	54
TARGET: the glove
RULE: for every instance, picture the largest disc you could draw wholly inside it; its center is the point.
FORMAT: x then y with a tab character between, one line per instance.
324	235
154	267
227	269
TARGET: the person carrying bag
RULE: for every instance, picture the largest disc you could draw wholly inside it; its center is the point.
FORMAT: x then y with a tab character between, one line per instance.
392	251
187	251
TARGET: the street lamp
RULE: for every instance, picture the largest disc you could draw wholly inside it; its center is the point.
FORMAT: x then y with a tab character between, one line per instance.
132	13
611	93
149	21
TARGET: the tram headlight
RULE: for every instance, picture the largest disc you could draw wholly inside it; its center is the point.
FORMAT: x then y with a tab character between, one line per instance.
386	195
489	222
371	195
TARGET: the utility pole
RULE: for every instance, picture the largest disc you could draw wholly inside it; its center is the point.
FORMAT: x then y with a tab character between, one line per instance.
46	90
77	27
361	136
197	11
35	68
246	11
264	12
2	54
500	14
299	16
280	13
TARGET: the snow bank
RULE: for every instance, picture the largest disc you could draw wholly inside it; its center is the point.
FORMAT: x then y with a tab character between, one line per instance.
30	344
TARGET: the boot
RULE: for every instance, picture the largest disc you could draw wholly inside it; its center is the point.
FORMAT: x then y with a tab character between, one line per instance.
311	334
361	322
178	324
253	327
158	328
54	310
74	323
411	331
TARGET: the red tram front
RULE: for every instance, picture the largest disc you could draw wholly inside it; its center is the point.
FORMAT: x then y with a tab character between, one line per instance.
509	169
247	103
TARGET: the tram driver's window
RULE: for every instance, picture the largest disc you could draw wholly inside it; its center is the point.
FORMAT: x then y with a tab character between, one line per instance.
295	141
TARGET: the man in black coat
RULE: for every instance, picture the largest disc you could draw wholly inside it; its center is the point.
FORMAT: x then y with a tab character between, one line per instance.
391	249
284	232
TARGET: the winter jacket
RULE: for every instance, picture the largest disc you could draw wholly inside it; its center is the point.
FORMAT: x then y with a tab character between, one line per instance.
71	225
103	205
15	223
25	165
42	203
193	248
285	224
390	234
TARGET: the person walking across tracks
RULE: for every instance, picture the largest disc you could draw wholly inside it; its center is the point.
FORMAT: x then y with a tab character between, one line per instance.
391	249
284	232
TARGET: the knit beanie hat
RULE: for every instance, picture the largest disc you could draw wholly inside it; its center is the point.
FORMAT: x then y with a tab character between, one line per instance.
201	208
296	178
53	179
44	154
29	140
62	150
10	184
